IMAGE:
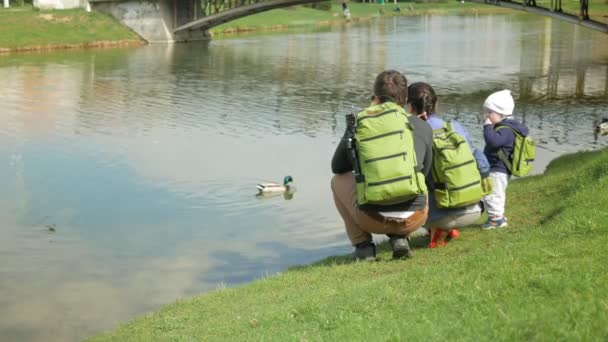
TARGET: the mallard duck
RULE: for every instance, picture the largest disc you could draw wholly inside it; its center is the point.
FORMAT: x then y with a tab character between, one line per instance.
600	127
274	188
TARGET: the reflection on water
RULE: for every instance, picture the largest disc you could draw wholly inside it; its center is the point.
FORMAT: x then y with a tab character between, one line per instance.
146	160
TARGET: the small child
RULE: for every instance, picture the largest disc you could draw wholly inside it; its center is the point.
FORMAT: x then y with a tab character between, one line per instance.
498	109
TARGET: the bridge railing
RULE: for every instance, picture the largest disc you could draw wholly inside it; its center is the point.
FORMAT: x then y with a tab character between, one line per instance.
210	7
210	13
579	8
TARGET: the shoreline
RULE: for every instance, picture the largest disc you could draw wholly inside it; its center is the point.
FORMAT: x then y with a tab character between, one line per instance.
235	31
101	44
371	12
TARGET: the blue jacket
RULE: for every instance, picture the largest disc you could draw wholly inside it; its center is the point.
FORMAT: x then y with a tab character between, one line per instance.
501	139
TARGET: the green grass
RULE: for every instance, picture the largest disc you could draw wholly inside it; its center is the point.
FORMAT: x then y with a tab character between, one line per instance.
302	16
25	27
543	278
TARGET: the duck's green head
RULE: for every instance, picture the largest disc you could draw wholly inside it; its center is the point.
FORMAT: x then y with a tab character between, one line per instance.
287	180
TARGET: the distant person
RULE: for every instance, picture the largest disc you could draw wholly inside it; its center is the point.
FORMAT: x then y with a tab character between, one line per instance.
345	10
498	133
466	168
378	186
584	9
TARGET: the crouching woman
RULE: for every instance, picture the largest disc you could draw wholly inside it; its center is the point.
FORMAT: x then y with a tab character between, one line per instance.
385	193
422	102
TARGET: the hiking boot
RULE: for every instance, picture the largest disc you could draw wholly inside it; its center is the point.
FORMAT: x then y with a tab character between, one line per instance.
494	223
401	249
365	251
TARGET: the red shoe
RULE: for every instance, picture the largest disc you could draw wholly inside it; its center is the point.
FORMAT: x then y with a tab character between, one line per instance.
435	238
453	234
439	236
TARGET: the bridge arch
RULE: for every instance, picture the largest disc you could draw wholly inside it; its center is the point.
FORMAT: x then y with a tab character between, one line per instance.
255	6
231	14
181	20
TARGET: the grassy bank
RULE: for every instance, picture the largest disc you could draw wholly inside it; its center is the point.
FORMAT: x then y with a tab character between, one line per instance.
302	16
543	278
28	29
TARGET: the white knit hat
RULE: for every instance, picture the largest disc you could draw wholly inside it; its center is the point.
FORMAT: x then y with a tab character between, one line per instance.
500	102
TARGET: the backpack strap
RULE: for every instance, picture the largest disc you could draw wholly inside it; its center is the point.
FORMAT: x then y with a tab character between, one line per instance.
502	155
437	134
351	126
440	131
447	126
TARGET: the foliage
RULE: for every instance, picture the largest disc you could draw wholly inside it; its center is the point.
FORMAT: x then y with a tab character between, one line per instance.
543	278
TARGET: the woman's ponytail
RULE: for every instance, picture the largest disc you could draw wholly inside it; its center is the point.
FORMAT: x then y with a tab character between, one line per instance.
422	98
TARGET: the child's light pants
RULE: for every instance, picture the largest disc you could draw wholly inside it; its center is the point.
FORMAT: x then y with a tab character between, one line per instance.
495	202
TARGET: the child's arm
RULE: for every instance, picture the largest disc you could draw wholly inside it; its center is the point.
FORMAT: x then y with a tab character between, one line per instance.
497	138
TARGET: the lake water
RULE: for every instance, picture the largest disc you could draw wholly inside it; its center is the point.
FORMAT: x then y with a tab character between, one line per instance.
145	160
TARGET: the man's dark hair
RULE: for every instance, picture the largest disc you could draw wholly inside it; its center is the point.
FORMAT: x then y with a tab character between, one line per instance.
391	86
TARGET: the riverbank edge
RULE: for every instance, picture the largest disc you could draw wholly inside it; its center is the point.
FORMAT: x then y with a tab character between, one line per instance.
102	44
541	278
284	27
232	29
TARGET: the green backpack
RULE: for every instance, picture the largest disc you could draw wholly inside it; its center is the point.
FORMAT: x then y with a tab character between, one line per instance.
455	174
385	157
519	163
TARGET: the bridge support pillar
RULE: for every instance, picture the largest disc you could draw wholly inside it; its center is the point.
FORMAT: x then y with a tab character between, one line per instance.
154	20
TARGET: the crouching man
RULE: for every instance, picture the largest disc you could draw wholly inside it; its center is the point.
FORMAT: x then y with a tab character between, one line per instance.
380	167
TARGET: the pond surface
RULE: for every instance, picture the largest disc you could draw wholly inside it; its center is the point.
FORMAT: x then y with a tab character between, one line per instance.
144	161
